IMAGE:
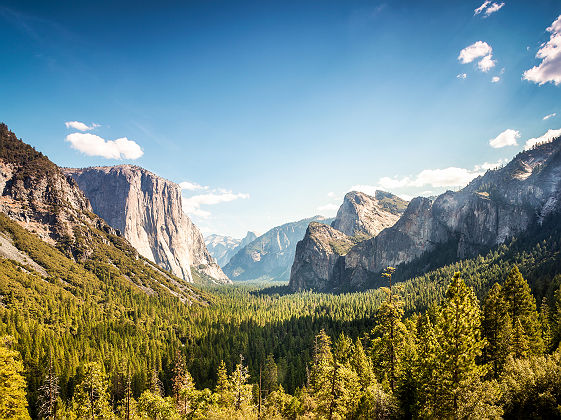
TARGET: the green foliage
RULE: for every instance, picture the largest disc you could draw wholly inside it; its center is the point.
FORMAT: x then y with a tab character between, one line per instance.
13	404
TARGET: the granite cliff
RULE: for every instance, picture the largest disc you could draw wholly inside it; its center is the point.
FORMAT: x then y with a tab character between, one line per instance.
360	216
147	210
494	207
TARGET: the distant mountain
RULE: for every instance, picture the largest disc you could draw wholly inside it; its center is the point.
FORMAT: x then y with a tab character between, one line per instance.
147	209
493	208
223	248
360	217
270	255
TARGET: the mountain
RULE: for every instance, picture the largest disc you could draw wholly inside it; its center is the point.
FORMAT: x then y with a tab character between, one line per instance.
362	214
491	209
359	217
47	225
223	248
270	255
147	210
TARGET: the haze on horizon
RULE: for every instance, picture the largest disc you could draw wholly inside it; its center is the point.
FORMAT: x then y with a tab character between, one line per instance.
269	112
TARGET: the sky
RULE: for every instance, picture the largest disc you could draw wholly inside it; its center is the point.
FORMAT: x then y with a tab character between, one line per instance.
268	112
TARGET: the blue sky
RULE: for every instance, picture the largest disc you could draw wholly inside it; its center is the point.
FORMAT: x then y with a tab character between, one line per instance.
269	111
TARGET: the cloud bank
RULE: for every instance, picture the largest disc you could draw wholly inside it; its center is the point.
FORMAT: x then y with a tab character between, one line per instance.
550	135
549	70
192	205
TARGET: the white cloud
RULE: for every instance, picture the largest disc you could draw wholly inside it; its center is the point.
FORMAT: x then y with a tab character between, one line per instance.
495	79
331	194
547	117
436	178
191	186
486	63
448	177
462	76
549	70
80	126
330	208
550	135
192	205
93	145
473	51
506	138
488	8
495	7
479	49
481	8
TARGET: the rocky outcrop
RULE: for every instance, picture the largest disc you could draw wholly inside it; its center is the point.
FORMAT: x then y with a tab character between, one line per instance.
499	205
270	256
147	210
36	194
223	248
316	256
362	214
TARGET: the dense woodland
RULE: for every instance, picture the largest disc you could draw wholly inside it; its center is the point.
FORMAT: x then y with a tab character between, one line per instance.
88	343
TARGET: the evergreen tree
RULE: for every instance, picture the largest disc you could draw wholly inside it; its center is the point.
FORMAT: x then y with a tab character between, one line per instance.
389	344
521	307
13	404
240	387
48	394
460	344
90	396
183	386
269	376
497	330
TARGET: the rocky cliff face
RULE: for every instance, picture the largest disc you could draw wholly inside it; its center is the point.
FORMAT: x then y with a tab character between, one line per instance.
270	256
492	208
316	256
362	214
147	210
36	194
223	248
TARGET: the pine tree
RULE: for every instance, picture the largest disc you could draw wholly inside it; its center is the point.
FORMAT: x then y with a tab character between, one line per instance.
497	329
241	389
270	375
521	307
545	324
460	344
13	402
388	346
183	385
90	396
48	393
427	369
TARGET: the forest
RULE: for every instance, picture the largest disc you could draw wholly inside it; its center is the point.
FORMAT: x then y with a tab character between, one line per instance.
483	343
